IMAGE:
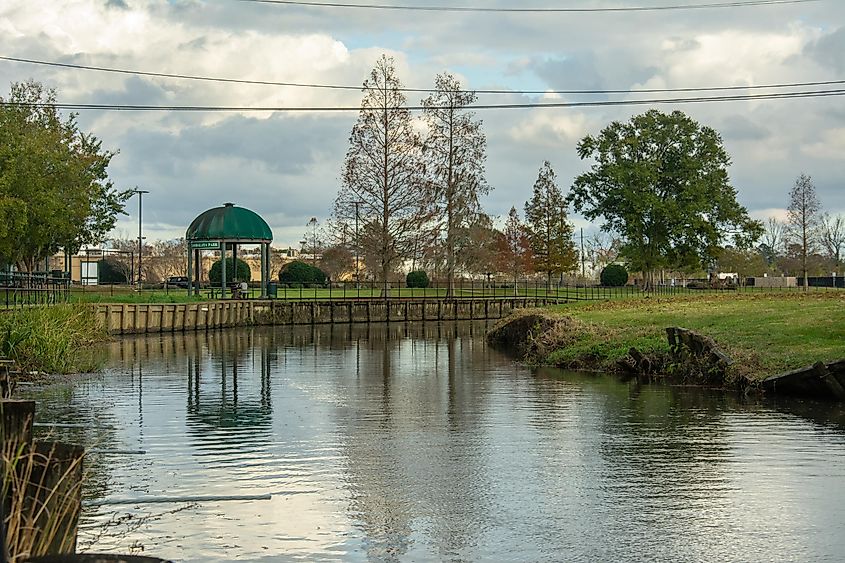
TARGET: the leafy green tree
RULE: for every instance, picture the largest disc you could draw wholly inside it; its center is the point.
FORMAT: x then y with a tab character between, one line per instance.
454	152
660	181
54	186
243	273
744	262
549	231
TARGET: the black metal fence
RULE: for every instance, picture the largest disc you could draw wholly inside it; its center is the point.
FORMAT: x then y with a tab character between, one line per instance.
21	290
39	289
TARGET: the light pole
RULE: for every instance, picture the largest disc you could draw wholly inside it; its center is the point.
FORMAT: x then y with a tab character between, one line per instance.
357	246
313	224
140	235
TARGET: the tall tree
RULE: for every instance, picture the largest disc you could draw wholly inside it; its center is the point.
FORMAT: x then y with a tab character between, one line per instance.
660	181
455	152
803	218
54	186
549	231
832	236
773	240
479	257
383	172
515	257
602	250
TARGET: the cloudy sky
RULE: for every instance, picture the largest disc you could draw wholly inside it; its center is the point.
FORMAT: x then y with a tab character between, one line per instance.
286	166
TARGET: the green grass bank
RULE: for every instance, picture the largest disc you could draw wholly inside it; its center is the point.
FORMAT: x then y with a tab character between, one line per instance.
59	339
765	333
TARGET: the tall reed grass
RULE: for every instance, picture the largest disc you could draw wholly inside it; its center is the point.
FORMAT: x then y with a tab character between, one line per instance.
42	491
57	339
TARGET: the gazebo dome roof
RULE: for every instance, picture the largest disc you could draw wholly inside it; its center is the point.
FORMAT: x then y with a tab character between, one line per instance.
229	223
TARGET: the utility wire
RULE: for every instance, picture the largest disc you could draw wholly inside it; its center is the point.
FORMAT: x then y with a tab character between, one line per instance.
317	109
699	6
420	90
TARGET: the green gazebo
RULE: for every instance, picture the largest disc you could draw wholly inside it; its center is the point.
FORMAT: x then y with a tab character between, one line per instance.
224	228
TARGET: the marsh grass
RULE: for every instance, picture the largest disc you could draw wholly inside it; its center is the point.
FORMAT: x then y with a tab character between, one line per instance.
57	339
42	491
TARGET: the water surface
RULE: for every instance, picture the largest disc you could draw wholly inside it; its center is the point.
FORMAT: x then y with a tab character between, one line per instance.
418	442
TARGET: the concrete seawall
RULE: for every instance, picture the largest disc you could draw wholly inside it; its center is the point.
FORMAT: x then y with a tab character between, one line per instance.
120	318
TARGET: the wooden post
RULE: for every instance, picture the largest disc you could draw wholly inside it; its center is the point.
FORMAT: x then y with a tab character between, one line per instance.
17	422
52	499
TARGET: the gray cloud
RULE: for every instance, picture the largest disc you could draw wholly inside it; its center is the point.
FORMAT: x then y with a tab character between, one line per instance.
287	167
829	50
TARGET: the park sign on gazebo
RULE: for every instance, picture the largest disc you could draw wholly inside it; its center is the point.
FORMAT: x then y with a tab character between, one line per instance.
224	228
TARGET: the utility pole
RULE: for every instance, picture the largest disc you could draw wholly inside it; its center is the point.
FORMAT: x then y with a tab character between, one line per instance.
140	234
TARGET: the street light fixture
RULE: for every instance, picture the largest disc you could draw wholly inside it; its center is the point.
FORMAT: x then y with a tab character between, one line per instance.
140	234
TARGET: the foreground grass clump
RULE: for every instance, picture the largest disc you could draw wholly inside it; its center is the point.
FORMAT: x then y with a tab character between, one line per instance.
764	333
57	339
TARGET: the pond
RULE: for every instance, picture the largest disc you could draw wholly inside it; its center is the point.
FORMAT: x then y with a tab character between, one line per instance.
419	442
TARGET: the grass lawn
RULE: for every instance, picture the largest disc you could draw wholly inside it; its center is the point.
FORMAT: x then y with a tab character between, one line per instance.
765	333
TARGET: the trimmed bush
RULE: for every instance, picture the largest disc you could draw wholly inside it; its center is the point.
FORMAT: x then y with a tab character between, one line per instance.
242	274
299	272
614	275
111	271
417	279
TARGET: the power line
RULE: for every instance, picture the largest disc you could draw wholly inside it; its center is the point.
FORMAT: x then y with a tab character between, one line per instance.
317	109
700	6
420	90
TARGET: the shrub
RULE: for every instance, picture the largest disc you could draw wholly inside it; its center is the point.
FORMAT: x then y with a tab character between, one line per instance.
243	272
111	271
417	279
298	272
614	275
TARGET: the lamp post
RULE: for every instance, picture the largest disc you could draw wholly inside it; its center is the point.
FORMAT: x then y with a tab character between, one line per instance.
313	224
140	236
357	246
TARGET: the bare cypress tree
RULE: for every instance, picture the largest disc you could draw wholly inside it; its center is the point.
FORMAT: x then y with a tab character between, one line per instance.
549	230
383	172
803	218
773	239
455	152
832	236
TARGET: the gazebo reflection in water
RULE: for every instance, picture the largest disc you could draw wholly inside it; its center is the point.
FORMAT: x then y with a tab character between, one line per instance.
229	385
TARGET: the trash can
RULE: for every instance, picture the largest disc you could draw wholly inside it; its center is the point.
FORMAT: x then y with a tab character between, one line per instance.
272	290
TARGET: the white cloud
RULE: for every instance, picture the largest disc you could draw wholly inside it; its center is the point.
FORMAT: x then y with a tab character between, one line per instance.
286	167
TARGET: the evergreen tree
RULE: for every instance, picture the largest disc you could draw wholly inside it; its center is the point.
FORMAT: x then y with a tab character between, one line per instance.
549	231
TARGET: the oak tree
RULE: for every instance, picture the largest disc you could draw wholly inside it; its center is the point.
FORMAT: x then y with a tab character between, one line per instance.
660	181
54	186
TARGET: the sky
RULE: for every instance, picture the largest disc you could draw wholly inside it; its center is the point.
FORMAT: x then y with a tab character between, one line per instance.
286	166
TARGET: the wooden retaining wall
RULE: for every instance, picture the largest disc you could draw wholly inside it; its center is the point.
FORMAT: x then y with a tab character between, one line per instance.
119	318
